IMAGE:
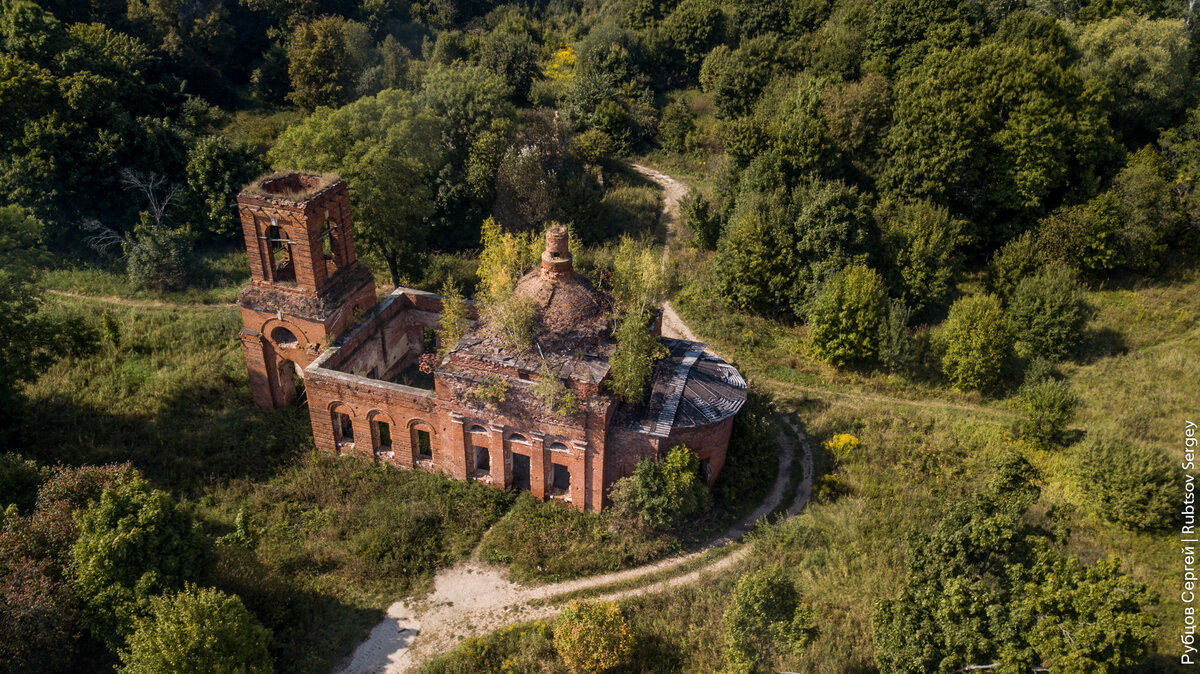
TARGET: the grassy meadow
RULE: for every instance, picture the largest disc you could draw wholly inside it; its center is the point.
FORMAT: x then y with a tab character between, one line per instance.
922	445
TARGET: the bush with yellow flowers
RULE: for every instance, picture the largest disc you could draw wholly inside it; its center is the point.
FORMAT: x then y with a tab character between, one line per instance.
593	637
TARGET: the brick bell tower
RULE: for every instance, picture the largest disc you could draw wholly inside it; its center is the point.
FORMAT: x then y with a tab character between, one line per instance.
306	285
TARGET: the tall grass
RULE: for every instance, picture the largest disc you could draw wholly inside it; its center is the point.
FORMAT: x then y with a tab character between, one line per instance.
316	545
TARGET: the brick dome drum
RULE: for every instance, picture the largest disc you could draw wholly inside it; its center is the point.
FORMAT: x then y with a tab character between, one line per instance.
568	306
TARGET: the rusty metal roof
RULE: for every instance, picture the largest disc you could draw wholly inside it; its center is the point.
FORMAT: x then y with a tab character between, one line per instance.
690	388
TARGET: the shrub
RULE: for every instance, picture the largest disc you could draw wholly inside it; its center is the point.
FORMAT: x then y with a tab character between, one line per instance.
765	616
1134	486
676	127
973	342
594	146
1018	258
1048	406
134	543
633	361
1046	314
38	619
1084	237
922	240
156	257
844	322
897	348
551	542
662	493
593	637
514	320
703	221
19	482
752	460
196	631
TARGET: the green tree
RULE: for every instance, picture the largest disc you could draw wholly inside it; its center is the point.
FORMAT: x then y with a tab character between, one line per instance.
1143	64
857	117
922	241
1022	256
216	171
1130	485
389	150
845	319
1146	188
510	52
676	127
998	132
134	543
25	343
663	493
454	320
593	637
765	617
1047	407
701	220
897	27
325	59
693	28
1086	237
633	360
974	342
897	346
639	287
1047	314
19	482
196	631
987	589
736	78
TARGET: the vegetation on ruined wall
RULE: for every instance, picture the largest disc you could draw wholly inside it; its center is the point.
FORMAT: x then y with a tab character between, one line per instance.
1033	167
545	542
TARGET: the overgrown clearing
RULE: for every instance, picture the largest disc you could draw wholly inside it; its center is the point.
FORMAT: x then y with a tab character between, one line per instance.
922	446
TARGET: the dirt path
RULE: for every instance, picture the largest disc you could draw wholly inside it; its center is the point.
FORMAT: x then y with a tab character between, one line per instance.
127	302
673	325
472	598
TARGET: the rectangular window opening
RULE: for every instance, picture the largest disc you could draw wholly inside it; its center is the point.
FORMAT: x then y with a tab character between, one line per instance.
327	249
562	479
482	461
383	431
424	447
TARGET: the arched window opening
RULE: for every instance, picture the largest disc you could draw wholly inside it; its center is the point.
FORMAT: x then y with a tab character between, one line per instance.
343	427
517	437
284	338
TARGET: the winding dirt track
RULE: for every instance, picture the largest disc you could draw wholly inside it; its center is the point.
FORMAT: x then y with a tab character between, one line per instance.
471	598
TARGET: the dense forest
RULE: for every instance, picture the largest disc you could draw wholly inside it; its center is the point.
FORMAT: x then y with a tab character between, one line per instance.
990	208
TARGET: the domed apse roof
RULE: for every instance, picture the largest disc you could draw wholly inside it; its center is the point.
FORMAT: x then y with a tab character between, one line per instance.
691	388
569	308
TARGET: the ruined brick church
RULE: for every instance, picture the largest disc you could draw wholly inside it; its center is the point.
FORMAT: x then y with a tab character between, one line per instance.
313	323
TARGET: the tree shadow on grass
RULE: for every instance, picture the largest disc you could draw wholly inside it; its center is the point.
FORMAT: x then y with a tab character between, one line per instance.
210	431
1100	344
311	631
